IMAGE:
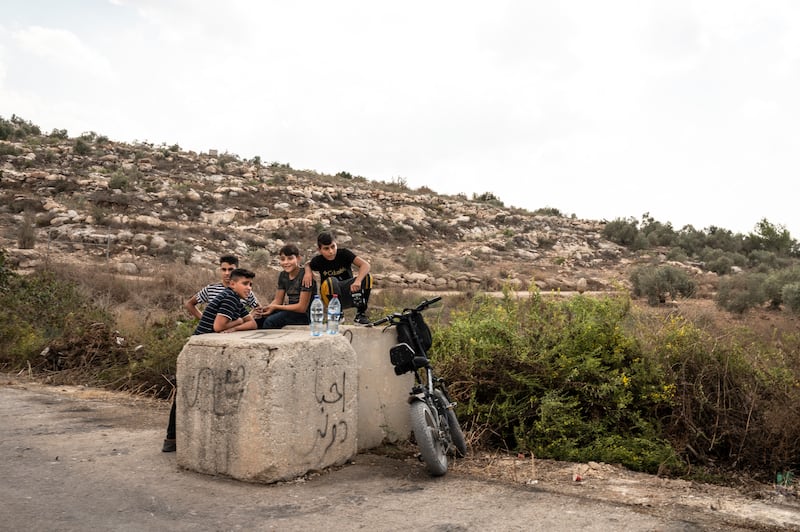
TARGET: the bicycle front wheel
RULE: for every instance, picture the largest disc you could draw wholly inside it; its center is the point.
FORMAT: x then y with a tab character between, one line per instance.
426	431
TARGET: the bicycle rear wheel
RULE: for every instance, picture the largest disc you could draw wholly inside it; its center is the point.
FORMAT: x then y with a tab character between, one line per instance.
456	434
426	431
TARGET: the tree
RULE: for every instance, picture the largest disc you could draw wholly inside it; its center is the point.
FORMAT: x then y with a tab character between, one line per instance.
770	237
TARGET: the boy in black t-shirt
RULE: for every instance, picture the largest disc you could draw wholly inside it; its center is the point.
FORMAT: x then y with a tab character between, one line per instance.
290	305
335	267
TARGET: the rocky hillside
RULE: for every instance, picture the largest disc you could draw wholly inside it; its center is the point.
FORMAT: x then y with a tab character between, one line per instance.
131	207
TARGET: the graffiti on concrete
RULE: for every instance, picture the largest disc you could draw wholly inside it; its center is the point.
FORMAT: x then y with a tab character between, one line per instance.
331	403
216	392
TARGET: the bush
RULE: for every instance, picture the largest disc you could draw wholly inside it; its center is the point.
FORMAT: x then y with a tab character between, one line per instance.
82	147
548	211
417	261
791	296
26	235
657	233
622	232
656	282
731	395
775	282
66	322
722	262
559	378
119	180
738	293
8	149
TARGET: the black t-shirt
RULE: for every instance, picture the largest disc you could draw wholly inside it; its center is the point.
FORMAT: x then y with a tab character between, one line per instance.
341	267
293	287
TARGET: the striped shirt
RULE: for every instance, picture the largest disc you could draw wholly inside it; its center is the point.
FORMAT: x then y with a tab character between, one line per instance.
210	292
226	303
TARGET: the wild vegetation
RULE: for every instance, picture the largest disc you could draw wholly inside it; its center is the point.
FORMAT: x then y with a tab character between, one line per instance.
627	376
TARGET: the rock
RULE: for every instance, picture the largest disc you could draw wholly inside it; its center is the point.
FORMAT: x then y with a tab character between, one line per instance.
126	268
580	285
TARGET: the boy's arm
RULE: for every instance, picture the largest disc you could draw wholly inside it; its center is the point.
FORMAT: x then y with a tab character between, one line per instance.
191	307
302	305
223	324
363	269
274	305
308	276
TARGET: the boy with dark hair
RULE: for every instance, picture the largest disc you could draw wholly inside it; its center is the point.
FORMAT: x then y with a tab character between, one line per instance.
334	265
224	314
290	305
227	263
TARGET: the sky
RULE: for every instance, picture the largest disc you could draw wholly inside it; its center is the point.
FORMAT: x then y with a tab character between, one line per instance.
684	110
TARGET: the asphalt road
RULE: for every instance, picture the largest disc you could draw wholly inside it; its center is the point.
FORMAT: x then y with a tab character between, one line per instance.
71	461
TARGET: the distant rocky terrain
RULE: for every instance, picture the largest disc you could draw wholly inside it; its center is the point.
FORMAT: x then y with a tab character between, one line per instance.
131	207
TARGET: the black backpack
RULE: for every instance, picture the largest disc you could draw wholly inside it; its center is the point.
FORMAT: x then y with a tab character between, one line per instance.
424	336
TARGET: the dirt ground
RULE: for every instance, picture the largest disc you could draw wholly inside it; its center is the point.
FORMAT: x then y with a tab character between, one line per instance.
66	424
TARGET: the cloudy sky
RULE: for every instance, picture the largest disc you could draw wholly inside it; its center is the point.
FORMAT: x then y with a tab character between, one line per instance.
686	110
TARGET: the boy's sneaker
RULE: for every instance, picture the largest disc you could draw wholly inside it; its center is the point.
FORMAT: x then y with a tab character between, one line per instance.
169	446
361	319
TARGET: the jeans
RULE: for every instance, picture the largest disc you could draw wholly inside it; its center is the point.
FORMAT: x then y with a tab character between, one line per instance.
281	318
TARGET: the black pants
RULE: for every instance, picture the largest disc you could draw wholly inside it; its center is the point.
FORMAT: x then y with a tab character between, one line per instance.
349	299
171	424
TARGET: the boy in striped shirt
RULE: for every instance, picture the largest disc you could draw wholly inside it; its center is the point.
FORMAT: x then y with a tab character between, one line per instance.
224	314
227	263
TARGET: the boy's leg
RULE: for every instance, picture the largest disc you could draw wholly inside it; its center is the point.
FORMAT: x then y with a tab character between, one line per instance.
282	318
366	289
361	300
348	298
331	286
169	442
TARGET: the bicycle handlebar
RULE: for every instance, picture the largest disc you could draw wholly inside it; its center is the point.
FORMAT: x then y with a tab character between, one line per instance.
425	304
397	315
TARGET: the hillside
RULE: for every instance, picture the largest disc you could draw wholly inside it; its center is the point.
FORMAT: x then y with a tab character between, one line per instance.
135	206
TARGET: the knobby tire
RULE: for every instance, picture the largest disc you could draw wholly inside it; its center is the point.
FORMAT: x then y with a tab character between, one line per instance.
426	432
456	434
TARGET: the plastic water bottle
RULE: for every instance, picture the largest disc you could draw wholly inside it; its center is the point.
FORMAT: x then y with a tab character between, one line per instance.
334	314
317	316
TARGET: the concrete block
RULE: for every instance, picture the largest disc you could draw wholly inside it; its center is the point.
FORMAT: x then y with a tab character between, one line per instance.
383	411
266	405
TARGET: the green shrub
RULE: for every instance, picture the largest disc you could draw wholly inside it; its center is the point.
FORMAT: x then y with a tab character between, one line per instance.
547	211
82	147
774	283
658	282
657	233
417	260
722	262
791	296
560	378
119	180
732	397
622	232
260	259
738	293
66	321
762	260
487	197
8	149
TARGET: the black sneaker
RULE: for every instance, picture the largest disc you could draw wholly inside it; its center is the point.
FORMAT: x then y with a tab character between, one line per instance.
361	319
169	446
